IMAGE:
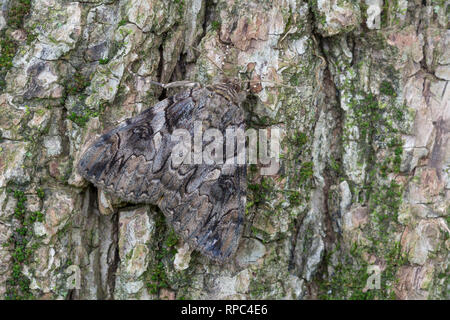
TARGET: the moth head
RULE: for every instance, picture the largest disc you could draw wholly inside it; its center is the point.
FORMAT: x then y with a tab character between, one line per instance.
230	89
235	84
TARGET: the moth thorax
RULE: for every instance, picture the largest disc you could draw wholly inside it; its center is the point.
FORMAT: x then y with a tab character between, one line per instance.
227	90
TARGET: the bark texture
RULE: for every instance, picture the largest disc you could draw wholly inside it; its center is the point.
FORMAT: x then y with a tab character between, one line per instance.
359	87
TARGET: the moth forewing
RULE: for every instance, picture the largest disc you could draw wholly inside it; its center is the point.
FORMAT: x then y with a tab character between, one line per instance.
204	201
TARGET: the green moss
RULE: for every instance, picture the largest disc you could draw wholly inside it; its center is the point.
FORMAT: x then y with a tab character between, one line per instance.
259	192
77	83
258	288
320	18
260	234
387	89
268	281
7	53
8	50
18	285
171	240
103	61
180	6
349	279
385	203
19	210
164	246
17	12
35	216
295	198
300	139
335	165
390	13
31	37
158	278
306	172
378	121
75	86
376	125
83	118
297	157
215	25
40	193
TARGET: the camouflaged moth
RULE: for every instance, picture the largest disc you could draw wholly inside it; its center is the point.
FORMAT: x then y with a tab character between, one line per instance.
204	203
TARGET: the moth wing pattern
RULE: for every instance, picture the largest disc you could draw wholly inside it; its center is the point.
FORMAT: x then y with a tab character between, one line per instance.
204	204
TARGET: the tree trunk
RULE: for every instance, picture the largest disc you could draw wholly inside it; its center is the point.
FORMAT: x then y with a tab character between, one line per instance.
358	209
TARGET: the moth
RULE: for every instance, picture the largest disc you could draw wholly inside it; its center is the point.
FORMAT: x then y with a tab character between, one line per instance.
204	203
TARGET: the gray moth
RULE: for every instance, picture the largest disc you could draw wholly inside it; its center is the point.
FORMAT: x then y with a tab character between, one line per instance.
204	203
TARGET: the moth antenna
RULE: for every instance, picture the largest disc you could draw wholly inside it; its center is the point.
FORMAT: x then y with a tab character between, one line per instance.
183	83
158	83
291	30
270	81
175	84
